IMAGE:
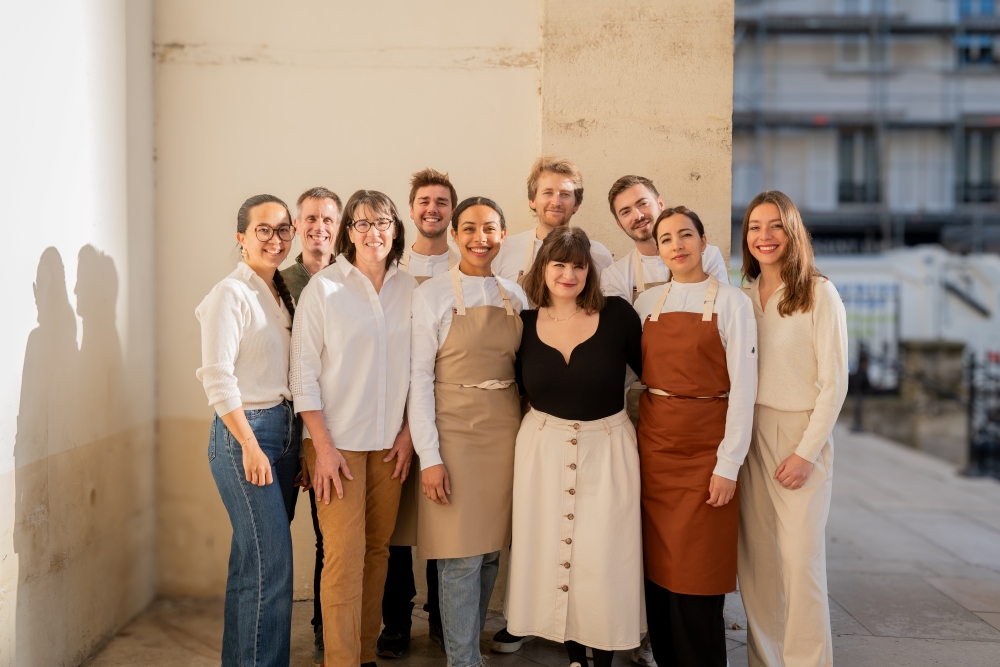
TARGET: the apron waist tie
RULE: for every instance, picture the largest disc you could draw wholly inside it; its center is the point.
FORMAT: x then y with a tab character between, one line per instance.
660	392
488	384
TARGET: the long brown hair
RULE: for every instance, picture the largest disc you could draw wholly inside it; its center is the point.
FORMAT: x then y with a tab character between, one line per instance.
798	266
570	245
380	204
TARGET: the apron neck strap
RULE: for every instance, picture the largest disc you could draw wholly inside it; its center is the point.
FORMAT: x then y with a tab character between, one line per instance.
529	253
405	262
456	286
655	317
452	259
710	294
640	282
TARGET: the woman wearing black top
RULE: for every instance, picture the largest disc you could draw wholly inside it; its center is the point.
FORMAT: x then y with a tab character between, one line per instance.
576	555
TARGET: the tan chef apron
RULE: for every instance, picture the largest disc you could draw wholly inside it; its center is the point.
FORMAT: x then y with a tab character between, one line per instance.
405	534
478	417
635	391
688	546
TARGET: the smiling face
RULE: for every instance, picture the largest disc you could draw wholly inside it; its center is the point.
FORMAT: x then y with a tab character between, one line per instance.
372	246
636	209
565	280
265	256
680	245
431	210
555	199
478	238
766	237
317	225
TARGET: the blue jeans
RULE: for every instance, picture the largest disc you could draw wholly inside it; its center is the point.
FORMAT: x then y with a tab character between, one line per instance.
258	612
465	586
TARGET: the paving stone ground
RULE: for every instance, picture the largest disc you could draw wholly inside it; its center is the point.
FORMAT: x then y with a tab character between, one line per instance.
913	556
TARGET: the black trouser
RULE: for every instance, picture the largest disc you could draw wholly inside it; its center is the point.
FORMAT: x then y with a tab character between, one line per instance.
578	653
685	630
400	589
317	620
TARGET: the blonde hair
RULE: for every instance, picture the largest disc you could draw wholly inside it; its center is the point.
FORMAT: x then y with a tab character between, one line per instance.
798	265
555	165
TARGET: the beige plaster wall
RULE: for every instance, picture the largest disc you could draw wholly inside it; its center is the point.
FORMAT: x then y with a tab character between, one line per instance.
255	96
77	424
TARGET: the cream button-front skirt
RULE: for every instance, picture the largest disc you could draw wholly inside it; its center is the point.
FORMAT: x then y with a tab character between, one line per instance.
576	552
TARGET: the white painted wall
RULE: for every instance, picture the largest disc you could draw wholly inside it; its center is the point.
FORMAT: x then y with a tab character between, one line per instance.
76	376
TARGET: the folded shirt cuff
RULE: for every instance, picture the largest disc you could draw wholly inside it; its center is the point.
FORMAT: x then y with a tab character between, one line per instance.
430	458
810	450
306	403
727	469
226	406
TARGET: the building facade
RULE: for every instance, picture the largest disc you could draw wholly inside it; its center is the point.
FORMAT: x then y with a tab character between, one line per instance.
880	118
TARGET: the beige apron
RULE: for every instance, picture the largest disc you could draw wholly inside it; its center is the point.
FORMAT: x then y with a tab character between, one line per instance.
404	264
635	391
405	534
478	416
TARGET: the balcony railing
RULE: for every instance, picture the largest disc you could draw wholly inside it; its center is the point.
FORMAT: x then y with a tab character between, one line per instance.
857	193
978	193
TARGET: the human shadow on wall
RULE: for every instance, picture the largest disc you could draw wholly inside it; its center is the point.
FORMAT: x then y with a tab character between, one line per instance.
69	499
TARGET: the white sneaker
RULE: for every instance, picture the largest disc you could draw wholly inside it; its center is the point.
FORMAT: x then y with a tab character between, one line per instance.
642	655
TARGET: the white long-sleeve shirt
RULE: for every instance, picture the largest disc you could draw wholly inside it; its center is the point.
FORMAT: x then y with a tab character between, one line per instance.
619	278
432	308
738	332
803	360
245	336
351	354
510	260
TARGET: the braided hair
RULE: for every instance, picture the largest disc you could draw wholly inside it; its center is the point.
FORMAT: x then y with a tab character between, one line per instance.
243	221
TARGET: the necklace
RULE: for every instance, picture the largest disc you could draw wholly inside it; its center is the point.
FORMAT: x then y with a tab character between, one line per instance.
561	319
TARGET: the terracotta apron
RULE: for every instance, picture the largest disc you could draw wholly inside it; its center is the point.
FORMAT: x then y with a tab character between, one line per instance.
688	546
405	533
478	417
635	391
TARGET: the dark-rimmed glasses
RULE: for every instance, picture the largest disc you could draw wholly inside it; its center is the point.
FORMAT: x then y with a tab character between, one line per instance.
264	233
363	226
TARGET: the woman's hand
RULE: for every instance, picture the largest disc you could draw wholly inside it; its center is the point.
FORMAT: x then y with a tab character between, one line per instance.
436	484
330	465
720	491
302	479
793	472
402	447
255	463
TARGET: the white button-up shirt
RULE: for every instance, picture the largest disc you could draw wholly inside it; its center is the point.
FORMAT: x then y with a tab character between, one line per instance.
351	354
510	259
619	278
433	302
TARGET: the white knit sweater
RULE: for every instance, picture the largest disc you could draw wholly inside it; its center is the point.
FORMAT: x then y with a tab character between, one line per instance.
245	340
803	360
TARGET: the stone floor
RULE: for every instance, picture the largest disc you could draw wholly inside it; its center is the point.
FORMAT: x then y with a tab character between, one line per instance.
913	561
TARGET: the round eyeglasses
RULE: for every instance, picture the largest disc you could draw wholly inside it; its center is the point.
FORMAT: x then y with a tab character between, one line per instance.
265	232
363	226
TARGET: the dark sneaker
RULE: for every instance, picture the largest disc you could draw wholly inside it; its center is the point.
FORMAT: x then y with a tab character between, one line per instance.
392	643
317	659
369	664
504	642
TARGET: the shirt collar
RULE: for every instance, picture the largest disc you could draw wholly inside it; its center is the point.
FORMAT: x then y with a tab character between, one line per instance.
346	267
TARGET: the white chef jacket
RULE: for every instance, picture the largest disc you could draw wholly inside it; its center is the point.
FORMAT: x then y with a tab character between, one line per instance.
738	331
351	354
432	308
510	260
619	278
418	265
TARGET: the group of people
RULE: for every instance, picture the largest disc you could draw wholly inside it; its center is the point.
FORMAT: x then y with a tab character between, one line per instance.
636	432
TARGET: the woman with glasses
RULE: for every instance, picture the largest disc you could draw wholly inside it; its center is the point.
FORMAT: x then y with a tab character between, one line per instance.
350	371
576	557
253	448
464	411
699	364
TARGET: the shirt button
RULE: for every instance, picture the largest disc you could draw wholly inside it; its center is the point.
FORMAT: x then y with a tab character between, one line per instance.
569	516
573	441
576	426
572	492
564	588
566	565
572	466
568	540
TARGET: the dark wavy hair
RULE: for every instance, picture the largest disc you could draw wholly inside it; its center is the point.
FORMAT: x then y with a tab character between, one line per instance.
243	221
477	201
570	245
381	205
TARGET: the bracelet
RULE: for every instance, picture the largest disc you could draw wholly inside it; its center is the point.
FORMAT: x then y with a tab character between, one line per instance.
249	438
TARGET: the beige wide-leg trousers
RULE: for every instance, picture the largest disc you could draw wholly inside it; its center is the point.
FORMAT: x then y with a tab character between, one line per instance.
782	552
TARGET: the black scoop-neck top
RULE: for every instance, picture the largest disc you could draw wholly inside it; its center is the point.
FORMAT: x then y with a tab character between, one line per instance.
592	385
